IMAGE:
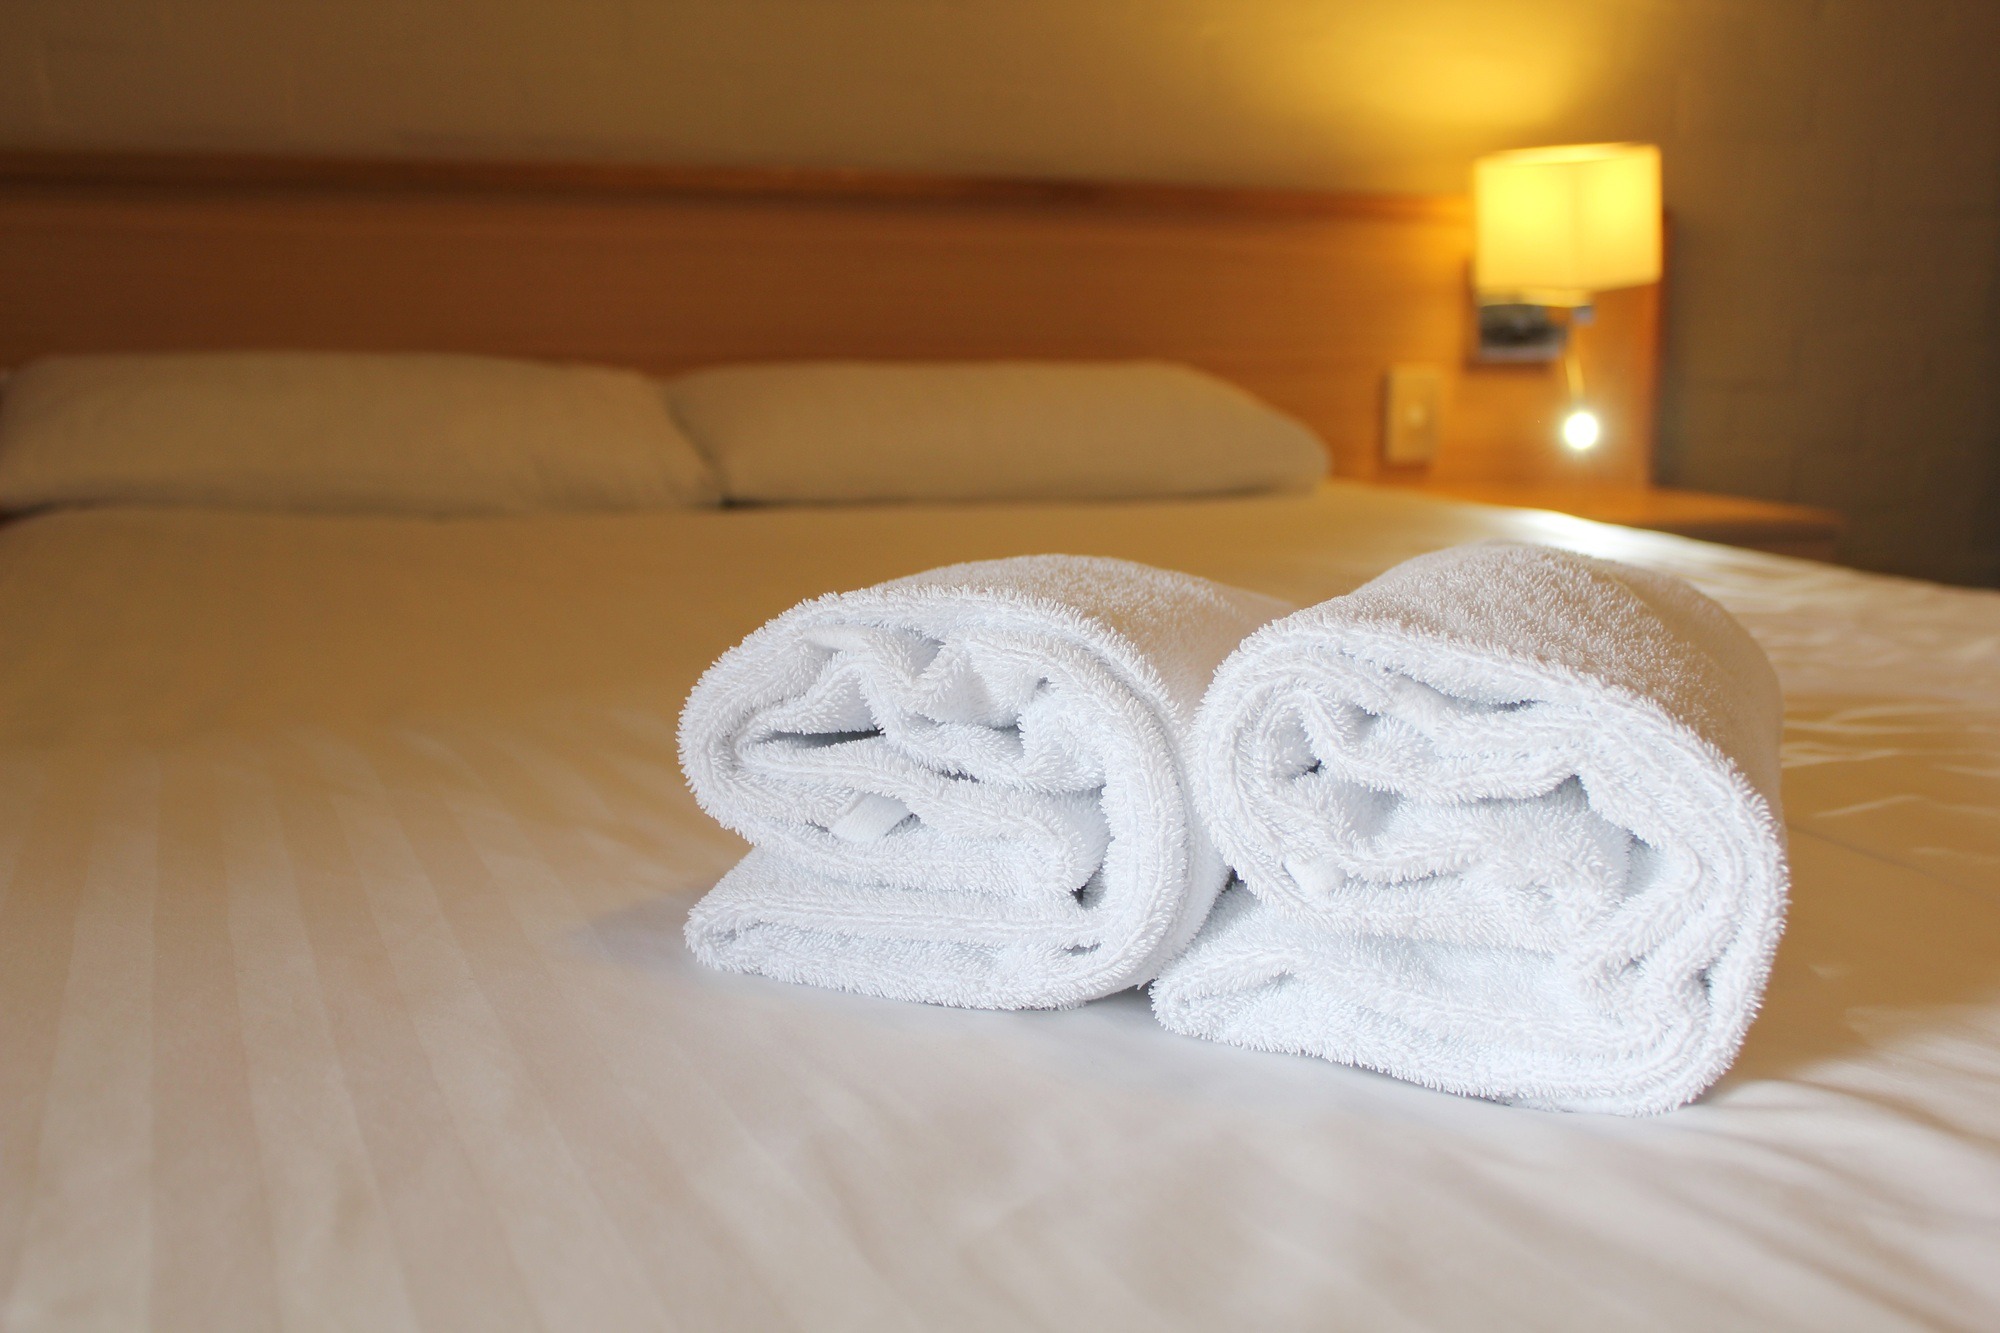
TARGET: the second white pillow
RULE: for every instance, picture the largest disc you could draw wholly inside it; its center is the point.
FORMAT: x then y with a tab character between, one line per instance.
996	430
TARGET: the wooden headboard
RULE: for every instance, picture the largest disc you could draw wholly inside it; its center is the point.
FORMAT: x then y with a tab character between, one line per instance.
1304	298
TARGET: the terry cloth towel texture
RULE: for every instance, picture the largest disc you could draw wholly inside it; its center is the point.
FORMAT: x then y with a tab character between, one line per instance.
968	786
1507	824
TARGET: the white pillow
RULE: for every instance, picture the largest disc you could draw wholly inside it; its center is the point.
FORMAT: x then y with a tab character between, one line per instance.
1006	430
408	434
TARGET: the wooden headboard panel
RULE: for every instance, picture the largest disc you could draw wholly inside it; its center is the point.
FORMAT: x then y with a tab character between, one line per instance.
1304	298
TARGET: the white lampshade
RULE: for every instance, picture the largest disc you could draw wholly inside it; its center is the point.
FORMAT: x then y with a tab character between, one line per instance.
1553	225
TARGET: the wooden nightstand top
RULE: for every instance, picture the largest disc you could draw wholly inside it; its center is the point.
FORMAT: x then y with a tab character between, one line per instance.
1763	525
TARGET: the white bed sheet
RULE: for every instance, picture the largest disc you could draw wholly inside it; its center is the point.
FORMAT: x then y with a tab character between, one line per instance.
341	982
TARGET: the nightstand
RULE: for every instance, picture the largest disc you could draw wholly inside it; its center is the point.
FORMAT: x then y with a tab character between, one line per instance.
1760	525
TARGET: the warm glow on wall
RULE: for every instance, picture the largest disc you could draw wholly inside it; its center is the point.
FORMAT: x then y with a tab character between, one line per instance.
1554	225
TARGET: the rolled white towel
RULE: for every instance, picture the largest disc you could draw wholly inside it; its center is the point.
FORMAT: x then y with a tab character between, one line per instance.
965	787
1507	822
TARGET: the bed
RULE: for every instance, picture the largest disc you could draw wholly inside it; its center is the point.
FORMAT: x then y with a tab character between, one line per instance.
342	983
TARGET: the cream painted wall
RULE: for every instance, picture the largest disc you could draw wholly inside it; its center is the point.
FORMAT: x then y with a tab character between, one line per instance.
1833	165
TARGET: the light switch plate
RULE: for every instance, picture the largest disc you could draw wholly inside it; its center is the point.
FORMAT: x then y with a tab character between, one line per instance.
1412	414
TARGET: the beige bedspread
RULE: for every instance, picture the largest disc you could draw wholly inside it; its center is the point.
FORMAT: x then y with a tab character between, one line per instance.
341	982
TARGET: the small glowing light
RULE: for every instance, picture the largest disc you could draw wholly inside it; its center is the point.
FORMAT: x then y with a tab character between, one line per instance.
1581	429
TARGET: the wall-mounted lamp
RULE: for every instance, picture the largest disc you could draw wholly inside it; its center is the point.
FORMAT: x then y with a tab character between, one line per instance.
1551	227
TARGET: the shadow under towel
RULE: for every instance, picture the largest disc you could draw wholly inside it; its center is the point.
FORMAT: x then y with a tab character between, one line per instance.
1507	822
966	787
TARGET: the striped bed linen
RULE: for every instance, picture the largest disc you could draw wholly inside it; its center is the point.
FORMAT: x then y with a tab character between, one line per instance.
342	867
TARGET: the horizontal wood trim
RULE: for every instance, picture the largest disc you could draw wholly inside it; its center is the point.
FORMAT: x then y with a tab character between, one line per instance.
237	172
